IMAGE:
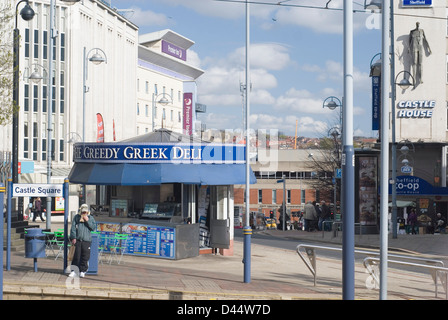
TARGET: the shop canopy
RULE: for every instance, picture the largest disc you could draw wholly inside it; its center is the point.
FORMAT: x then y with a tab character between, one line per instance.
159	157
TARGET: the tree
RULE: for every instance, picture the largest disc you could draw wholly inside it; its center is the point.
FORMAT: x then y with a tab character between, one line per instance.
326	158
7	105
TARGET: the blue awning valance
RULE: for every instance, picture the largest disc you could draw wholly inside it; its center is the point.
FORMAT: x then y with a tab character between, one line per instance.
158	173
162	156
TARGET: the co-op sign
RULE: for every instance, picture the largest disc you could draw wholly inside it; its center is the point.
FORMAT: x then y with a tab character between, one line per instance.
37	190
416	109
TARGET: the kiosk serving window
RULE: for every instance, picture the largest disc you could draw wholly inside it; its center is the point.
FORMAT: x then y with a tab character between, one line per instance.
164	211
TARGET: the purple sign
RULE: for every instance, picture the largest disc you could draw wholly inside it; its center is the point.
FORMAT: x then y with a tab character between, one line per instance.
188	113
174	51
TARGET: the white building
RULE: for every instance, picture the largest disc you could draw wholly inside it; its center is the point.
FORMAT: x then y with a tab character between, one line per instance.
420	55
120	89
165	82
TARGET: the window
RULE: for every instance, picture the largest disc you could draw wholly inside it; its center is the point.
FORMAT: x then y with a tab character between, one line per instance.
147	87
53	100
27	43
274	196
288	196
35	98
260	196
302	196
146	110
36	44
26	100
45	45
138	109
163	114
44	98
61	103
446	65
138	85
25	141
62	46
35	142
61	150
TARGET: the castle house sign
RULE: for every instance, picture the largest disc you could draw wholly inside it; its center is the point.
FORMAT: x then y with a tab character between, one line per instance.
417	109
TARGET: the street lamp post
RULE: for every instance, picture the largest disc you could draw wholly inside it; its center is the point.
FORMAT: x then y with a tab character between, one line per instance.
403	84
333	103
53	35
247	231
347	161
27	13
96	59
283	180
163	101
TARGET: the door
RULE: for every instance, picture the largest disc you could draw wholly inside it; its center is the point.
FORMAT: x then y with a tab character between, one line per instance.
219	223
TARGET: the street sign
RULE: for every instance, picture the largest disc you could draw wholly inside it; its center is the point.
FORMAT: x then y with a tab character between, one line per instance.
338	173
417	3
37	190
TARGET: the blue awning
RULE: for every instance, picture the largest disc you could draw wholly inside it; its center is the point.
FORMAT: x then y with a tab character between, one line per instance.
134	174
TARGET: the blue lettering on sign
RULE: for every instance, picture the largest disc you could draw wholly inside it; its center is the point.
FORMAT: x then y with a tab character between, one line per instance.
159	153
417	2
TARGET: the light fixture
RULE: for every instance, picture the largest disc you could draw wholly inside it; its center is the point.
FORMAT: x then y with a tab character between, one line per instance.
70	2
332	103
97	58
405	83
373	5
36	77
27	13
164	101
375	67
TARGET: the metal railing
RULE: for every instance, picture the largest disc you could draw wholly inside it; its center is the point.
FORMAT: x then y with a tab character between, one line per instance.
436	271
436	266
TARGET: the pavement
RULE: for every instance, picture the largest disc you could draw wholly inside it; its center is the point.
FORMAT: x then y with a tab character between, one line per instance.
276	274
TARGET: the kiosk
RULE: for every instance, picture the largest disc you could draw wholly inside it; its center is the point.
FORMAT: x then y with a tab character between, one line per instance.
172	193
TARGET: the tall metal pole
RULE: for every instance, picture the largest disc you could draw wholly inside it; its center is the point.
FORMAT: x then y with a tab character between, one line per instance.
84	91
27	14
284	203
247	229
2	196
394	142
50	106
348	160
385	89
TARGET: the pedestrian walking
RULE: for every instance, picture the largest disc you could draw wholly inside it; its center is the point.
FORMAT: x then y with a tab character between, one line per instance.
38	209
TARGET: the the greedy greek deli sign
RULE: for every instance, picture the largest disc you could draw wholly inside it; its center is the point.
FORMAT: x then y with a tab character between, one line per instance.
417	109
158	153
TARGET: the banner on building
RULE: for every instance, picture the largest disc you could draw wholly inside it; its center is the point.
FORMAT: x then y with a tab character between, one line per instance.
188	113
100	128
376	102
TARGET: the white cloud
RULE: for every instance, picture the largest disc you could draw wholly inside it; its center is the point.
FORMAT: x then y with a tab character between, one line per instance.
143	18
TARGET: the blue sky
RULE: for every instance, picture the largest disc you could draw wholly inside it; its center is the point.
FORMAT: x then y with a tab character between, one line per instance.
296	59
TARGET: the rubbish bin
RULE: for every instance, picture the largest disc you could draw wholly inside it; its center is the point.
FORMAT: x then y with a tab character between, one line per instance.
93	261
34	243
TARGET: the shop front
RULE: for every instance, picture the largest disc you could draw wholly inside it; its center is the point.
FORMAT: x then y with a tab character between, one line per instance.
416	193
172	194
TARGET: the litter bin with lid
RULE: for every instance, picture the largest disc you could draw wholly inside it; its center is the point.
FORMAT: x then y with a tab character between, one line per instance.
34	245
